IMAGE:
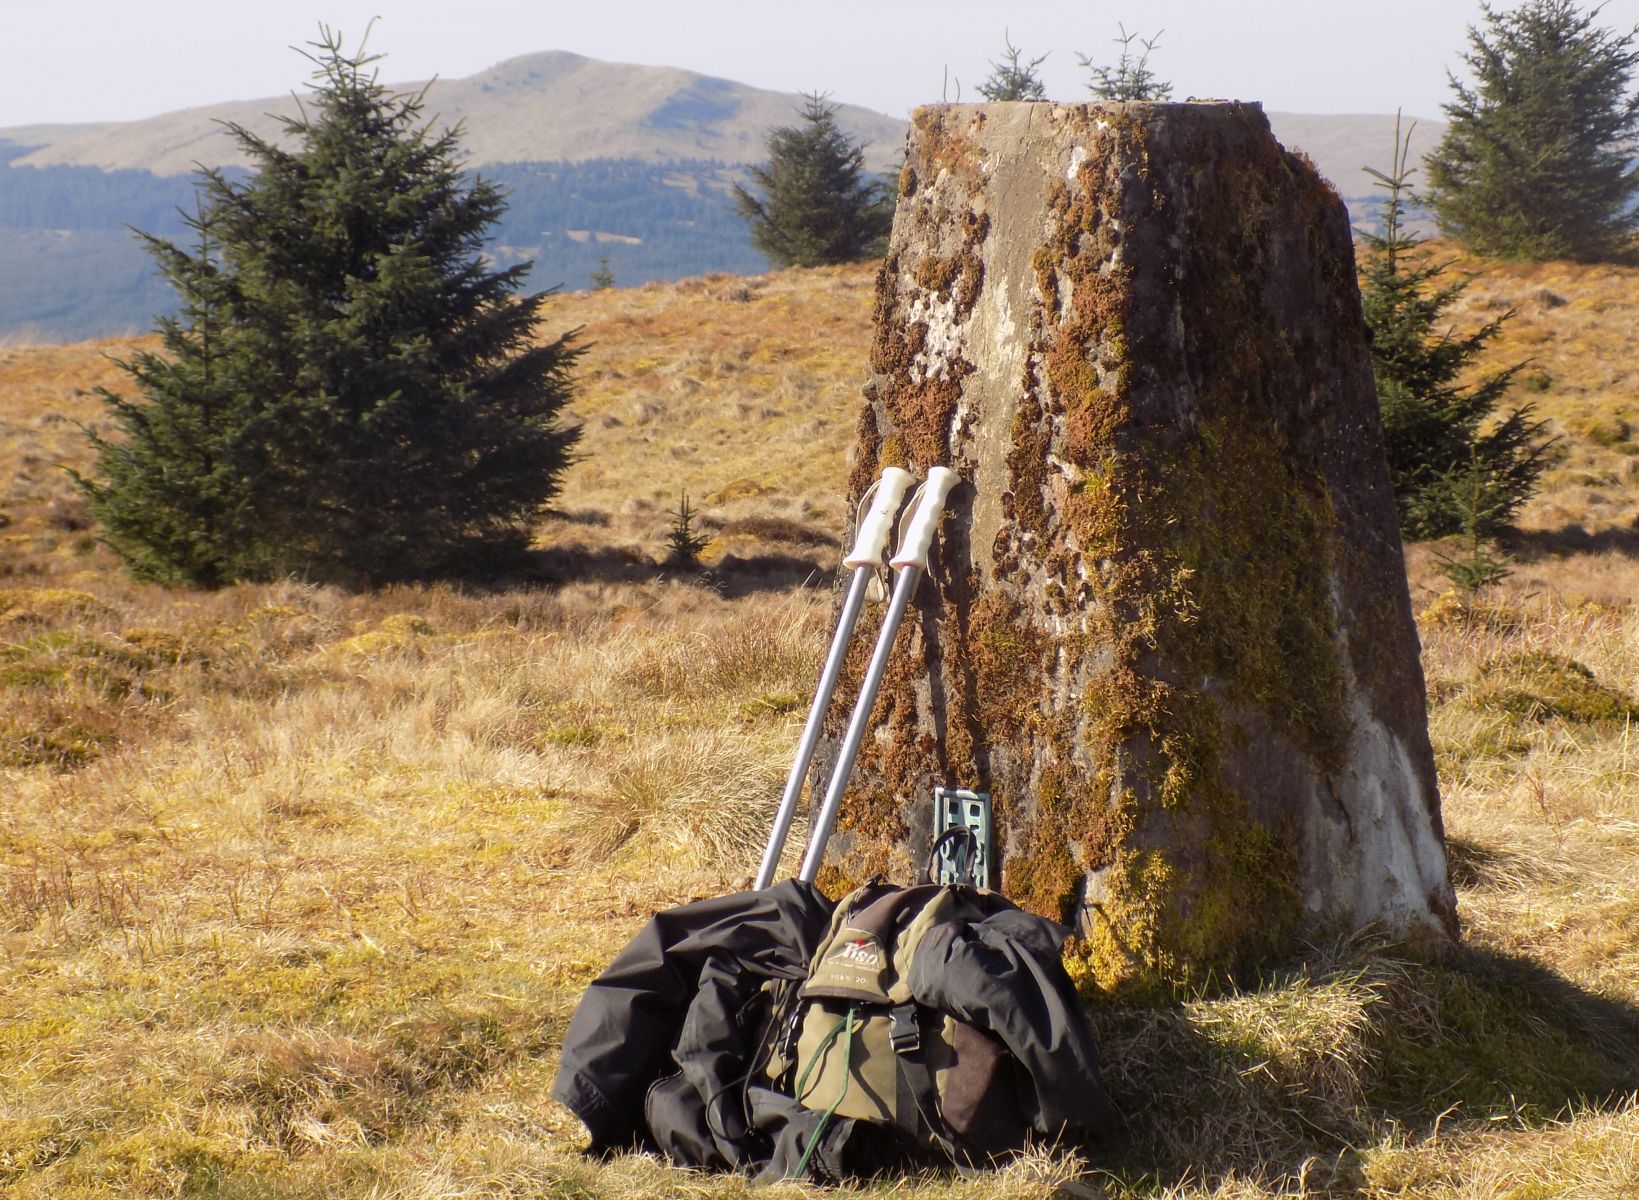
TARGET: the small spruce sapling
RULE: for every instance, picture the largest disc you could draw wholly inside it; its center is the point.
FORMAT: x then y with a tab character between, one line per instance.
1131	77
1481	504
683	542
1012	79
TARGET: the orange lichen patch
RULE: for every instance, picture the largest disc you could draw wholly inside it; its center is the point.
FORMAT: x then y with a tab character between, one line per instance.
925	296
926	398
1025	509
867	459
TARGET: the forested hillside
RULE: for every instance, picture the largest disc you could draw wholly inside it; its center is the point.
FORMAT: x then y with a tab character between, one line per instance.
71	266
654	221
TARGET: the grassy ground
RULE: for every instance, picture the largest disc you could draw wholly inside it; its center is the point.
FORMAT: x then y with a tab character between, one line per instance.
298	887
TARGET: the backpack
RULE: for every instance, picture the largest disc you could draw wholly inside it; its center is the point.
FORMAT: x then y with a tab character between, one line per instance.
941	1013
777	1033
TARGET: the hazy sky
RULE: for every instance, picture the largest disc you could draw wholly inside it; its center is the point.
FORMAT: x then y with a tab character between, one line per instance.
99	60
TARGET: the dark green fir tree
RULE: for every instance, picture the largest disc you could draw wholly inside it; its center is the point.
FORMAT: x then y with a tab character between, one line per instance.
1537	157
170	500
818	204
350	392
1455	461
603	278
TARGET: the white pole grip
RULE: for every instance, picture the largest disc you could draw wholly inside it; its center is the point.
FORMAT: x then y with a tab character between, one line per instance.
877	525
917	539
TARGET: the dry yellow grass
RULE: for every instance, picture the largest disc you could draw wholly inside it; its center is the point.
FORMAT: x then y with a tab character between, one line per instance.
677	376
1574	324
298	886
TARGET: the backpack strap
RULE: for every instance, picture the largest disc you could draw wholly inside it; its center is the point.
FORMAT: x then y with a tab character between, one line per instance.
916	1110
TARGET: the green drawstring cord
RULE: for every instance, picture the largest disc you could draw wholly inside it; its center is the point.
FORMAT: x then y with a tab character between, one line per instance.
844	1029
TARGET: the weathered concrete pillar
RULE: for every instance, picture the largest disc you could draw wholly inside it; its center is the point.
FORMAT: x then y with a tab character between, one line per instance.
1167	627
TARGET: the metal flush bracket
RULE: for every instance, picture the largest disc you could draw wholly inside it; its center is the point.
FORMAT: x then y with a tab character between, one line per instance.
952	809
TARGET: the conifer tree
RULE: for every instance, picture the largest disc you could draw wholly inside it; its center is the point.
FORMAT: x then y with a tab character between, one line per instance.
1453	461
819	206
683	542
1478	501
1536	160
1012	79
349	393
1131	77
170	501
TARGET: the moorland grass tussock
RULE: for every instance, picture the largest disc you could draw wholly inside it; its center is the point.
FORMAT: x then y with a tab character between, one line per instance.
704	794
768	648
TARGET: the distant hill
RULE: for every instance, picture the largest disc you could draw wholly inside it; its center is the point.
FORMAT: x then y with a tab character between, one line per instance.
631	163
551	106
560	107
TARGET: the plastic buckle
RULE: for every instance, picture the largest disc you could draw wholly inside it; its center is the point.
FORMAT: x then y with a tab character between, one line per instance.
904	1035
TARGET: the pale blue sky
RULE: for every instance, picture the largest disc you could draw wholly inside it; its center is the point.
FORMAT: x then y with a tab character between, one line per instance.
97	60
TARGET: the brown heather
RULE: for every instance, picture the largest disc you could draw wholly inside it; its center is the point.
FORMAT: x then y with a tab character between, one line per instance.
298	887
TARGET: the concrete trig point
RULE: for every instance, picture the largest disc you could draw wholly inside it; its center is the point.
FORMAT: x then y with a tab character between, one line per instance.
1167	627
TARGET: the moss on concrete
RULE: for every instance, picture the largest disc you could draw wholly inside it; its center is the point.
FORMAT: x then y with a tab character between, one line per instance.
919	369
1211	544
1159	595
1214	548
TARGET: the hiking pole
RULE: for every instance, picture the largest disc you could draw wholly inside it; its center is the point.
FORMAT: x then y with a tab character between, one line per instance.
869	544
911	562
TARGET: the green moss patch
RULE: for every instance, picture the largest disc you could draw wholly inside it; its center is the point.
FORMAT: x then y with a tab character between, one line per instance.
65	696
48	606
1214	548
1536	685
66	658
55	736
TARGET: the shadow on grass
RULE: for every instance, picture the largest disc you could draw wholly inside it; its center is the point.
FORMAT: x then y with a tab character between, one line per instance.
1474	865
734	576
1326	1058
731	577
1535	545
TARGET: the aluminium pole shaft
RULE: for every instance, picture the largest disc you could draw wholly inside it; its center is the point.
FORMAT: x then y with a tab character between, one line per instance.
871	541
816	722
906	584
911	562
